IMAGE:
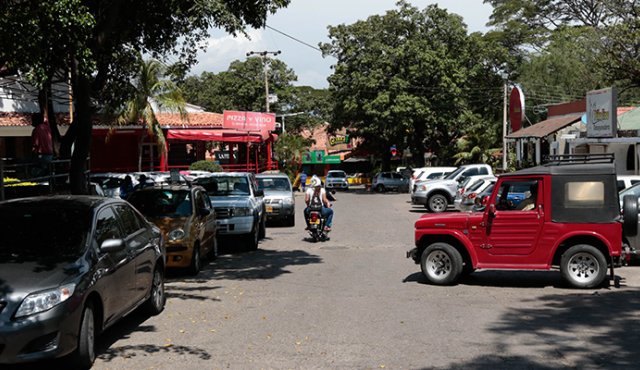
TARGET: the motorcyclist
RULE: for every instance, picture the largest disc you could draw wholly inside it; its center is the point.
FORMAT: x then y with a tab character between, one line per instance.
316	194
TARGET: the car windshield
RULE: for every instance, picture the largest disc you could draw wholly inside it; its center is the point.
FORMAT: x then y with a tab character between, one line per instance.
224	185
455	173
476	185
43	234
338	174
632	190
162	203
273	184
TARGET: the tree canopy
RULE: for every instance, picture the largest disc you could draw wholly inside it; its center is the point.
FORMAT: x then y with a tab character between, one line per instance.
411	78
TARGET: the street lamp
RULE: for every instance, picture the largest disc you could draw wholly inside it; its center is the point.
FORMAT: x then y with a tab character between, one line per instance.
288	115
264	55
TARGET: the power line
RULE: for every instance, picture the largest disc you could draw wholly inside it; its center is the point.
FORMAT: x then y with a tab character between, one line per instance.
296	39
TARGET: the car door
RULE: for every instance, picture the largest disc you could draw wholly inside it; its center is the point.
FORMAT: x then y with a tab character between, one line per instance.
140	249
509	230
208	222
117	270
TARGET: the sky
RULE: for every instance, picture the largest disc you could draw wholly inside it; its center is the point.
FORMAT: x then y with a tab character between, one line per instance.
307	20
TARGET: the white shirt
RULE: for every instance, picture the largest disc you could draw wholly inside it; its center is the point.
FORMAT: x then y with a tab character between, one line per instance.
310	192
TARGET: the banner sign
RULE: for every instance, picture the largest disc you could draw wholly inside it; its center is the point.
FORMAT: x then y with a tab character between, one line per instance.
516	108
249	121
602	118
319	157
338	139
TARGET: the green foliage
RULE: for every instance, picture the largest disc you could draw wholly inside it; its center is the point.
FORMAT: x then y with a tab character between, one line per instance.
241	87
411	78
288	150
206	166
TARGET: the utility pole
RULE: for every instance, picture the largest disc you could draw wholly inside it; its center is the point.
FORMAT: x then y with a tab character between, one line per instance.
264	55
288	115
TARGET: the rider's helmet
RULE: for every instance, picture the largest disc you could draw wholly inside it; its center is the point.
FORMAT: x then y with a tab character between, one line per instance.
315	181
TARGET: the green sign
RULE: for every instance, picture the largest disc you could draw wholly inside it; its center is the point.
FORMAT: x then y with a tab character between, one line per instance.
318	157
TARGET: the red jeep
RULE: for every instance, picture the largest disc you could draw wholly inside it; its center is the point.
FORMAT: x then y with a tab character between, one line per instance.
562	214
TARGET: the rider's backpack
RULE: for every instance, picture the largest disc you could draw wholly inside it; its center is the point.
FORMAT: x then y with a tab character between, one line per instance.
315	203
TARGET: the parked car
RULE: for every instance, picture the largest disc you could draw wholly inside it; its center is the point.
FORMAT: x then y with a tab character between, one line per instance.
437	195
428	173
625	181
465	201
187	220
238	204
384	181
70	267
573	224
336	179
279	201
111	181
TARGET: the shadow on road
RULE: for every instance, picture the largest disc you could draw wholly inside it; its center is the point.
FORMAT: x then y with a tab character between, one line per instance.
260	264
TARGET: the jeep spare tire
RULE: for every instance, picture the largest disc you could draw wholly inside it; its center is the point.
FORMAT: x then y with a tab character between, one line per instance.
630	215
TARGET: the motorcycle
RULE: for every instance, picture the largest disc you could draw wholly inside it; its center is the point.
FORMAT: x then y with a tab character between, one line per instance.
317	222
316	226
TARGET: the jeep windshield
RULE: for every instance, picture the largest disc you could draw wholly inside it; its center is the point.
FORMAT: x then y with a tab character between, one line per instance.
224	185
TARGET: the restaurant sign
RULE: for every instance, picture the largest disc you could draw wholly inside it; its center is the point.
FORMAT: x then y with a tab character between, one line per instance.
249	121
338	139
602	113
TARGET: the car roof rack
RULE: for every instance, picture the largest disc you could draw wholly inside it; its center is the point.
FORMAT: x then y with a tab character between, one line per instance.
569	159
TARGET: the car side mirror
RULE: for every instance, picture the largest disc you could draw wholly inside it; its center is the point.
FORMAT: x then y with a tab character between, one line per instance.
112	245
492	210
203	212
259	193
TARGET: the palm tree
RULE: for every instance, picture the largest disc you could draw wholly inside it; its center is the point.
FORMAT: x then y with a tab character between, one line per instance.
150	87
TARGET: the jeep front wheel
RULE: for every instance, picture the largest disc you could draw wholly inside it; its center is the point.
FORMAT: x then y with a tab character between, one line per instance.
441	263
583	266
437	203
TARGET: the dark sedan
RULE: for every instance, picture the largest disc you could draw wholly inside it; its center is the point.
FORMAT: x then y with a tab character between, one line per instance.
71	266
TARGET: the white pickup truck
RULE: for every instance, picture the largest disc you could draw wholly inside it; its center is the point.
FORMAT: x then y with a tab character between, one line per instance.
437	195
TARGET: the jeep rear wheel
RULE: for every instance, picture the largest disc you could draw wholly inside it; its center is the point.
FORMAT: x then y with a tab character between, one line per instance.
441	264
437	203
583	266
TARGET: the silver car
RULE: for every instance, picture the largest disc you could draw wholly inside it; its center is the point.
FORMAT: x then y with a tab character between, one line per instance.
384	181
336	179
279	201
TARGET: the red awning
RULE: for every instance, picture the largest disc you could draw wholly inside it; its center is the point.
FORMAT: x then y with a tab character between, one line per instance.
229	136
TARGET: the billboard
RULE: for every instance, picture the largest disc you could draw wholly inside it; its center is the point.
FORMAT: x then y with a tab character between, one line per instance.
249	121
602	118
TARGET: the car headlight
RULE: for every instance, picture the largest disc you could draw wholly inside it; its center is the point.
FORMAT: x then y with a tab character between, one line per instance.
176	234
287	201
43	301
242	212
422	188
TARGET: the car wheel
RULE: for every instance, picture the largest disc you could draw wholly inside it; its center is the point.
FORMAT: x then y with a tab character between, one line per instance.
85	354
380	188
437	203
194	268
157	299
583	266
252	239
291	220
213	253
263	227
441	264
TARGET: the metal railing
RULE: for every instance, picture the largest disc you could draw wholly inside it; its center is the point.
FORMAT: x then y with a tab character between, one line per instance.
52	174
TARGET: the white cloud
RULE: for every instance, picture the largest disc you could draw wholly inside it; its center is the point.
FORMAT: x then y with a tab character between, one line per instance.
221	51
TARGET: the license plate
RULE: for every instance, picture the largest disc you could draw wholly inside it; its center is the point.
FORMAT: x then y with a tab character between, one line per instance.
316	222
269	209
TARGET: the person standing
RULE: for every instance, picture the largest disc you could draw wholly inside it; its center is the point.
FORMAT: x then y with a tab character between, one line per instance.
303	181
41	145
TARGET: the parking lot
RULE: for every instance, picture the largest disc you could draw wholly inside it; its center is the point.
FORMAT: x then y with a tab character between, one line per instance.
357	302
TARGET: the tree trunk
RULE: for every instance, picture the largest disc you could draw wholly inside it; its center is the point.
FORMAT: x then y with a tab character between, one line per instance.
386	157
83	127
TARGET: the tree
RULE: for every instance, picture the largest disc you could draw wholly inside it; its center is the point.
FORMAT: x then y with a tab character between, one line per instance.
149	89
288	150
241	87
98	43
403	78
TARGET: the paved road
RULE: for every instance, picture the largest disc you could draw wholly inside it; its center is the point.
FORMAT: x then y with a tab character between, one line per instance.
356	302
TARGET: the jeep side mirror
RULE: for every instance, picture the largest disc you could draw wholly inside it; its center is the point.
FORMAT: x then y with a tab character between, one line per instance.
259	193
492	210
203	212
